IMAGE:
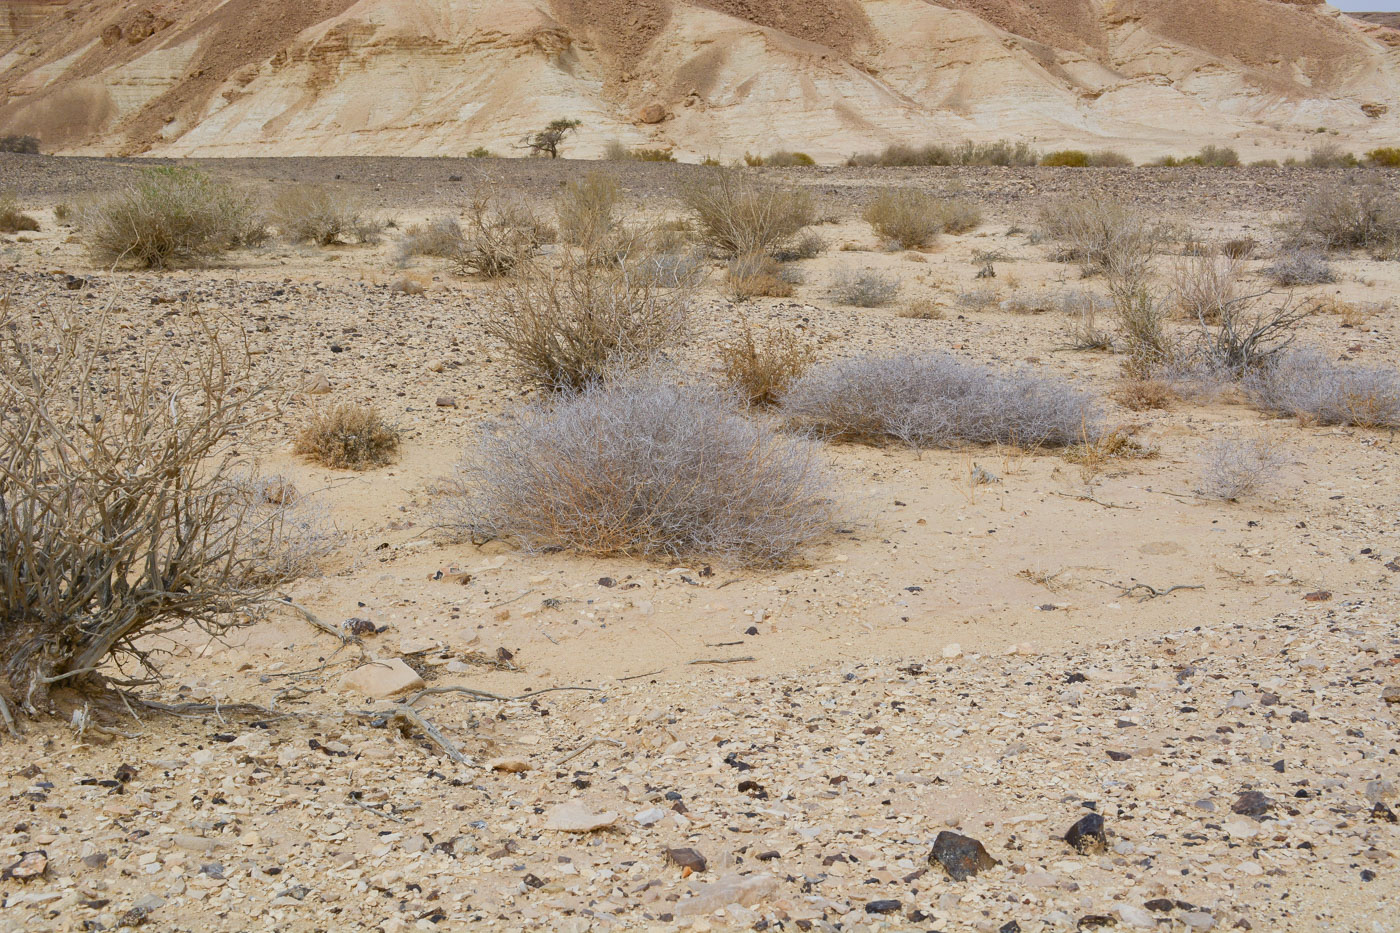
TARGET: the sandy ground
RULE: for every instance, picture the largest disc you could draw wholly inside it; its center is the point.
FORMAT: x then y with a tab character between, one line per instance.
916	673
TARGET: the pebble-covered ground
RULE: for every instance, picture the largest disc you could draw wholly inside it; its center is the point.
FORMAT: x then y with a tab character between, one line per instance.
1205	692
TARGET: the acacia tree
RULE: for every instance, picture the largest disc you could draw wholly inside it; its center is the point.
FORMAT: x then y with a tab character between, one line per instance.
547	140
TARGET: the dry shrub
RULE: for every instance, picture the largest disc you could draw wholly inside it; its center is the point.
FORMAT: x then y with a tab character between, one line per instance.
1084	331
1239	247
441	237
907	216
1141	318
1100	233
63	212
1118	444
758	276
1001	152
939	401
12	219
866	288
24	145
647	468
324	216
761	370
809	245
1235	468
1306	385
1248	331
1077	158
1300	267
1206	285
587	210
1145	394
922	309
1330	155
349	437
125	511
168	217
1384	157
1344	217
1209	156
569	326
739	216
496	239
785	159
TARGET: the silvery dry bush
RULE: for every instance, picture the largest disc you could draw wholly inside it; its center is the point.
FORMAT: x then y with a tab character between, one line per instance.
640	466
126	510
1306	385
1235	468
936	400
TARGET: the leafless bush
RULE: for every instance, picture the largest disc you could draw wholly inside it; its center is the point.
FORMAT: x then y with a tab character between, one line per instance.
1344	217
1248	330
1233	469
809	245
866	288
1205	285
24	145
922	309
1084	330
647	468
125	511
914	218
1306	385
497	239
760	370
569	326
1099	234
979	298
1001	152
587	210
738	215
669	270
349	437
12	219
1141	317
939	401
1145	394
758	276
168	217
1300	267
1330	155
1240	247
324	216
441	237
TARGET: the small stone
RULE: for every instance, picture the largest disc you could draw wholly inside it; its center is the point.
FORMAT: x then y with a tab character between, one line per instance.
1391	694
1317	596
1087	835
1251	803
1383	813
652	113
509	765
576	818
952	651
1196	919
319	385
889	906
382	679
436	366
447	401
687	858
650	816
30	865
960	856
95	860
1135	917
744	890
195	843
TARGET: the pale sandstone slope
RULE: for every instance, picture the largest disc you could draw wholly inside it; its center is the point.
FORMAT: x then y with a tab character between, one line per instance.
426	77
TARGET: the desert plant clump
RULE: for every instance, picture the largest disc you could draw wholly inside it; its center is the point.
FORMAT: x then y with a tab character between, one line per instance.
1330	155
1205	285
1306	385
441	237
936	400
643	467
1211	156
1078	158
1346	217
324	216
1145	394
1235	468
1296	267
547	141
349	437
12	219
922	309
587	210
168	217
19	144
1384	157
761	369
1141	316
125	509
809	245
866	288
1002	153
497	238
1239	248
1085	331
759	276
568	326
737	215
914	218
1098	233
785	159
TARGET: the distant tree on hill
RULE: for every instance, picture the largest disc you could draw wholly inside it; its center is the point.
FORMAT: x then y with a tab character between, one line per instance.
547	140
28	145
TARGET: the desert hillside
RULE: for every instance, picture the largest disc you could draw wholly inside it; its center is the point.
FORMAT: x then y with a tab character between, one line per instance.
828	77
